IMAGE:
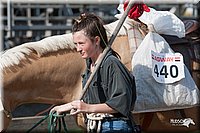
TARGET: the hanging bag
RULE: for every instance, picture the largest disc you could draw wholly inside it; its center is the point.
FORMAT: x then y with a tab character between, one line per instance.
163	82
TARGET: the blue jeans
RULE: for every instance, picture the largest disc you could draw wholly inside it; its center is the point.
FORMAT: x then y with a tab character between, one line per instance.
116	125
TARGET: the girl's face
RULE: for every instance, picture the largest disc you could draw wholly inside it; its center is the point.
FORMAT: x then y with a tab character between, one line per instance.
84	45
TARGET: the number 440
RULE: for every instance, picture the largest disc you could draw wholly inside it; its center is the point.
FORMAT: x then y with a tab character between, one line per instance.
166	71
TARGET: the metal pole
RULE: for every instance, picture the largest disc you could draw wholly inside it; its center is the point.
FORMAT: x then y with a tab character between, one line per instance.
1	32
9	18
100	59
1	72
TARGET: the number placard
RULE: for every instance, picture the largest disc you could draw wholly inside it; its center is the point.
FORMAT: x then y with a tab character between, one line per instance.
167	67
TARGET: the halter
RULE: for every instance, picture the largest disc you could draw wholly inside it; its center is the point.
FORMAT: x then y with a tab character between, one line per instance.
6	112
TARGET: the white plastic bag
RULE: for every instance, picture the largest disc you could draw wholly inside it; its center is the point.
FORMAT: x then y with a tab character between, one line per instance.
151	95
164	22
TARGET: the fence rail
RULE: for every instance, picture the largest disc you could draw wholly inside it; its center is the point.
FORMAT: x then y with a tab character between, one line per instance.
99	1
36	19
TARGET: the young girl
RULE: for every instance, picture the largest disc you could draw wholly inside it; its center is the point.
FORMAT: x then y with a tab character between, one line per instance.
111	95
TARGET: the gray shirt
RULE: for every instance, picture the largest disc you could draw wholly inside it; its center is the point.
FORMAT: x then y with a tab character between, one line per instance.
112	84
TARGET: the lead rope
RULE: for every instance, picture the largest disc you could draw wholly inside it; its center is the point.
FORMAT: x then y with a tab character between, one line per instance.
55	123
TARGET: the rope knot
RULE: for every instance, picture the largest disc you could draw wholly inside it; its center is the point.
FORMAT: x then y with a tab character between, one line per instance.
151	28
95	120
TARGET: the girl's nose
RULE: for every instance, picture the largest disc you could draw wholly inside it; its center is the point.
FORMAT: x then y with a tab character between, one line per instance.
78	48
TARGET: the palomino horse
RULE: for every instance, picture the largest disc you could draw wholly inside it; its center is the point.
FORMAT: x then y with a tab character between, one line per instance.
49	71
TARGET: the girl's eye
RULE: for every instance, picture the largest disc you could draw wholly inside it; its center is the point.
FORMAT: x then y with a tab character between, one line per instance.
81	44
78	44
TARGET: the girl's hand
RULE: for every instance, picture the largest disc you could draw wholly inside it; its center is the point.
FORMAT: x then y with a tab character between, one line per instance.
62	108
79	107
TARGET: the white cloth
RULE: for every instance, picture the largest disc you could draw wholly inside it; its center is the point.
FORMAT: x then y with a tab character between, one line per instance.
164	22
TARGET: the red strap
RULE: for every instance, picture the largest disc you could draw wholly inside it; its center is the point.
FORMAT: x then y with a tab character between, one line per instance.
137	10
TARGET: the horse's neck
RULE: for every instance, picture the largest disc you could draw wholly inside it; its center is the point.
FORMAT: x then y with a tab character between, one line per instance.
51	79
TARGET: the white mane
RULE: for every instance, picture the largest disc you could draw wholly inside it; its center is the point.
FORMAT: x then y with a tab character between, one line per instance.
14	55
49	44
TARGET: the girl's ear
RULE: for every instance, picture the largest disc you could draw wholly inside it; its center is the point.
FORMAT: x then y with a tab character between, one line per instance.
97	40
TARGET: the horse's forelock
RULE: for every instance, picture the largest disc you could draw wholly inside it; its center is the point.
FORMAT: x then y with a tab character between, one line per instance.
25	51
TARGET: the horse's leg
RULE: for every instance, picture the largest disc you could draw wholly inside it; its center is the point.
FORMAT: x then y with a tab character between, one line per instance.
148	117
144	120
